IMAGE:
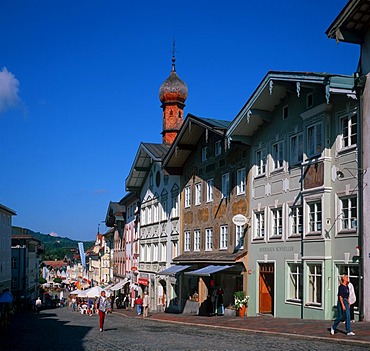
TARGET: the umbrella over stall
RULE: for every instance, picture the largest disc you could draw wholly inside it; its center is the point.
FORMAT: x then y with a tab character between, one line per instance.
6	297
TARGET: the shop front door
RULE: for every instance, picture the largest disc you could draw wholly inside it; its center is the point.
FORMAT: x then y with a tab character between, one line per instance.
266	288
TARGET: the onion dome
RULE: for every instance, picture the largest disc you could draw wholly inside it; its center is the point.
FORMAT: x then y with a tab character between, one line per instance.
173	88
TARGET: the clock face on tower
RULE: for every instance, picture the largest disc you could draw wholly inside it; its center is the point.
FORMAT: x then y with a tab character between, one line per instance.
158	179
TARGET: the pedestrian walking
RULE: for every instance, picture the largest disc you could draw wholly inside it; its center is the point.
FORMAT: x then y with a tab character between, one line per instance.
352	300
343	307
139	305
146	303
103	306
74	304
38	305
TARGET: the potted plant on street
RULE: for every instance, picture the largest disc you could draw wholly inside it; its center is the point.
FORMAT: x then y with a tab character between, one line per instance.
241	302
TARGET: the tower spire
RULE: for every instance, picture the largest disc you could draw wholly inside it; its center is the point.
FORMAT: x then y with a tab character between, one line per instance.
173	55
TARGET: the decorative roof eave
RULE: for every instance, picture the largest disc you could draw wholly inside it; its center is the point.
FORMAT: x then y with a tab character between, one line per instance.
142	164
8	210
273	87
188	137
344	26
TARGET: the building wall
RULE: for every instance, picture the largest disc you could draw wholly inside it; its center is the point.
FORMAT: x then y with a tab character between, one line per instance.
159	234
326	251
5	249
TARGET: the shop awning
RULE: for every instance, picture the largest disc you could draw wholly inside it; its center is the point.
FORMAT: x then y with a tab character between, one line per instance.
119	285
208	270
173	270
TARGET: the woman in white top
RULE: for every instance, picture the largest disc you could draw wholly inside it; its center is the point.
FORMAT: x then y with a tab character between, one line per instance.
352	300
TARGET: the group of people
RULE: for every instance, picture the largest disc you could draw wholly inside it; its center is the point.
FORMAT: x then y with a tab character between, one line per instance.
345	304
142	305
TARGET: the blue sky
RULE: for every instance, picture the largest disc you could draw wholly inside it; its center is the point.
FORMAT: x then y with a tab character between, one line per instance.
79	85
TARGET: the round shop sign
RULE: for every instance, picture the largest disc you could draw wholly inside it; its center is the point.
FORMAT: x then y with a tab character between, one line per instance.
239	219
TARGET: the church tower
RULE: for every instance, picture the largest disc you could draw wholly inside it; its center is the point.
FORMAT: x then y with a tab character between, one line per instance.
172	93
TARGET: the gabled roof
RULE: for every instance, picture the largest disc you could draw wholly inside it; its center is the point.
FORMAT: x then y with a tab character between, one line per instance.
352	23
188	138
274	87
8	210
115	212
145	156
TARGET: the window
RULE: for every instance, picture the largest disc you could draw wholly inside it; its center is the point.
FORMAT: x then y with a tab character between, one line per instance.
143	217
314	284
296	220
314	140
349	213
348	125
155	212
296	148
285	112
204	153
149	209
277	222
352	270
175	207
223	237
164	210
261	161
277	155
209	239
198	193
315	217
175	248
239	237
196	240
155	252
210	190
218	149
260	225
187	241
295	283
309	100
240	181
163	252
14	263
225	188
187	196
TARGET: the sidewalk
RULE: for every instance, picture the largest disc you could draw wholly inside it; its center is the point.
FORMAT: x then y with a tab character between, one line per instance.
287	327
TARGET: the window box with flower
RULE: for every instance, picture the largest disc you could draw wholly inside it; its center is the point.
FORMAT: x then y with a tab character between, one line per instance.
241	302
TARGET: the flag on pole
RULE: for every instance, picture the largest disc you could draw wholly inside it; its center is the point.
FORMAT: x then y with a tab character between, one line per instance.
82	254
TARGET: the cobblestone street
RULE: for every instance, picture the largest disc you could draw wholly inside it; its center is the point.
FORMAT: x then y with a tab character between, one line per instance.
60	329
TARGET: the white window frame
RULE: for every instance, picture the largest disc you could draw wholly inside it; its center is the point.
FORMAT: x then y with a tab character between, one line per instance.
259	225
163	252
209	239
187	240
314	217
296	220
295	282
314	139
164	210
225	186
224	236
348	130
277	222
296	148
150	218
198	193
155	252
197	240
239	236
218	148
315	284
261	162
155	213
348	213
187	196
210	183
277	155
240	181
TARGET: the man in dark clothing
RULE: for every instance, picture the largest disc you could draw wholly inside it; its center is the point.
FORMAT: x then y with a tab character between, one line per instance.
343	307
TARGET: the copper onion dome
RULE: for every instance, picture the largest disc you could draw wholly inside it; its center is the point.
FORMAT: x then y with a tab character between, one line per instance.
173	88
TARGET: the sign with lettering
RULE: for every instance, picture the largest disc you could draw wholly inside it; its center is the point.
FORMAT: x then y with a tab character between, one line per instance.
239	219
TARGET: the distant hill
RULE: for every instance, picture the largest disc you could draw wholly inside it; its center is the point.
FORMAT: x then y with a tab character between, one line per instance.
55	247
